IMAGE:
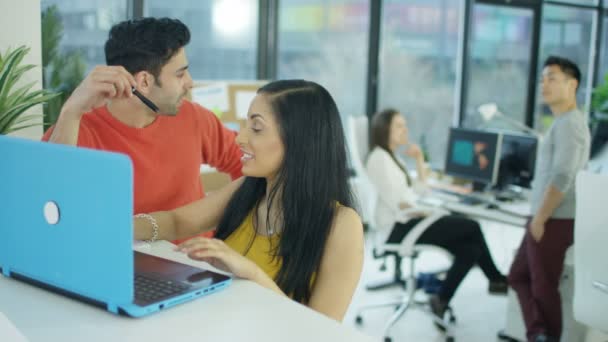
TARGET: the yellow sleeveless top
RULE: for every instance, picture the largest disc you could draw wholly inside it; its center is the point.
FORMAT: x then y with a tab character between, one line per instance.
262	249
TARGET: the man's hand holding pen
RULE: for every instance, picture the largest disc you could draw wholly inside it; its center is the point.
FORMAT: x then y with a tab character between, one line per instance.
102	84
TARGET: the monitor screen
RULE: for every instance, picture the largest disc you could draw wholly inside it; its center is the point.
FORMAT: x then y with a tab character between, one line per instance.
472	155
517	160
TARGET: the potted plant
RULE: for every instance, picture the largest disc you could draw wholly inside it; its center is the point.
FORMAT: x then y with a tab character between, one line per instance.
16	99
599	117
62	71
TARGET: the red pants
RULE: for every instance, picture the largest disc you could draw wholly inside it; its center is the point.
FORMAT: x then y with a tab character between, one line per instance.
535	276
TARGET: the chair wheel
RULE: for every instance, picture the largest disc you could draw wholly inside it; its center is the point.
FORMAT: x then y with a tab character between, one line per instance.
502	335
387	339
359	320
450	339
383	267
451	316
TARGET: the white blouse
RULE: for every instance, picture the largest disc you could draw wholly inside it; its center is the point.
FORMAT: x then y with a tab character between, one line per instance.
391	184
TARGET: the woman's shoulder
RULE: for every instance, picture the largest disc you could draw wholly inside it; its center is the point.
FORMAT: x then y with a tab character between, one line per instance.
345	238
346	213
378	154
379	151
346	222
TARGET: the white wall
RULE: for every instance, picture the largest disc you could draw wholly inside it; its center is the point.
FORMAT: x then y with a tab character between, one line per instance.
596	336
20	25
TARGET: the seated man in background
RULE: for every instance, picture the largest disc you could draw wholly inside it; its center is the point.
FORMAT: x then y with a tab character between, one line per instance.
167	147
564	151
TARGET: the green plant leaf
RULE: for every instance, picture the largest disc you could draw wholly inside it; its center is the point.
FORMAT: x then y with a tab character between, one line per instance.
15	101
18	128
52	31
13	59
17	95
63	74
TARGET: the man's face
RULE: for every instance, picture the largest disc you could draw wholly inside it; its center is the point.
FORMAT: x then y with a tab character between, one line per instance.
556	86
175	82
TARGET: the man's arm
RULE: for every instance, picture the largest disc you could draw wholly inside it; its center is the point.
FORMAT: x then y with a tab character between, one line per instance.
219	148
569	142
551	200
102	84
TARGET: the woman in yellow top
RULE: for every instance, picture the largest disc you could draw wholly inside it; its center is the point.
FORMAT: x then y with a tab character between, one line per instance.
289	224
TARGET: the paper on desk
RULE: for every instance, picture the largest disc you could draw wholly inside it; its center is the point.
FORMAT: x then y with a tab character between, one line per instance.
213	96
8	332
166	250
137	244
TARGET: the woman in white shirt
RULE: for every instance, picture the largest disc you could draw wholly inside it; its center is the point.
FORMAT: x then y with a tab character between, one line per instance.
461	236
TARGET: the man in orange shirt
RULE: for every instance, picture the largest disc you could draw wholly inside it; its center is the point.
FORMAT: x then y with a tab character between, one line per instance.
168	146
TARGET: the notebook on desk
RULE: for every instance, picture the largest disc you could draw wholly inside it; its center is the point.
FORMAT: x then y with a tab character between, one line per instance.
67	226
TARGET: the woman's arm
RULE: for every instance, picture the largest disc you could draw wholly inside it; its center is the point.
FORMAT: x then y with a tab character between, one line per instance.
189	220
340	267
414	151
338	275
388	180
218	254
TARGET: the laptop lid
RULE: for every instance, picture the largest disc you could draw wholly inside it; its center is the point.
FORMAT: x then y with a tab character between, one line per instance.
67	218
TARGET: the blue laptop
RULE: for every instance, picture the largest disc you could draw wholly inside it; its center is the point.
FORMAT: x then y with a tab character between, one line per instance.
67	225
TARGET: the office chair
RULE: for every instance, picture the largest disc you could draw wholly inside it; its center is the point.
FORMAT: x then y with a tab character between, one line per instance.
357	136
408	248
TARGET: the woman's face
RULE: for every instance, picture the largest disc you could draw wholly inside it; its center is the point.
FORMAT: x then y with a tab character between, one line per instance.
398	134
260	141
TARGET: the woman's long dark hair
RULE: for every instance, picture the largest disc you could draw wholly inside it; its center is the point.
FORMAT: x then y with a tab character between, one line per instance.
312	179
381	130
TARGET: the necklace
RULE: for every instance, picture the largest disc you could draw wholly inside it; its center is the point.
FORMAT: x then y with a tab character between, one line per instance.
262	213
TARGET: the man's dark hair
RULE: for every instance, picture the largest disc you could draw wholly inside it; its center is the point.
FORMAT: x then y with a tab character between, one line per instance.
567	66
145	44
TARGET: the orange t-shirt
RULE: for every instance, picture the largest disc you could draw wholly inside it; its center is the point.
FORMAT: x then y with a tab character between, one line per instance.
166	154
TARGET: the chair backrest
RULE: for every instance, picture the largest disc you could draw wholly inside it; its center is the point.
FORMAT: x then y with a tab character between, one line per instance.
590	251
360	129
357	137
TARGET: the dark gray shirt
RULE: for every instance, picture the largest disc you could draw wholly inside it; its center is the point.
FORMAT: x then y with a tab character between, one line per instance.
563	152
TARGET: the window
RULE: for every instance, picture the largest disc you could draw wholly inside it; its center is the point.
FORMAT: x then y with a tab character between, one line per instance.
326	43
86	25
602	69
567	32
418	60
581	2
224	35
499	64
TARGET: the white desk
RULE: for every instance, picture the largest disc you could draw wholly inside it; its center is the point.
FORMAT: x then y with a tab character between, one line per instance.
8	332
244	311
483	212
507	215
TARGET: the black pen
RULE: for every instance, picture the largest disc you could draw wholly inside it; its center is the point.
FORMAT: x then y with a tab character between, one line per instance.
145	100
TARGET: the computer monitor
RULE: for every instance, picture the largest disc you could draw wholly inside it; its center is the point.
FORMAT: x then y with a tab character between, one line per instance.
472	155
517	160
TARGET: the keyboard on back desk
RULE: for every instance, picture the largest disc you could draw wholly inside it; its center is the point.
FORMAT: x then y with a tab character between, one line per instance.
463	198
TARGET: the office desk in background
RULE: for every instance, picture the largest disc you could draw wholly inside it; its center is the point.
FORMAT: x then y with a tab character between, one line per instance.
510	213
244	311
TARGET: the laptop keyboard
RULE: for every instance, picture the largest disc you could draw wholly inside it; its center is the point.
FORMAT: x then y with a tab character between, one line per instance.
150	289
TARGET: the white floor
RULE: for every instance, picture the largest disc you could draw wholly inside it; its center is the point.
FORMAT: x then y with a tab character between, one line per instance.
479	315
